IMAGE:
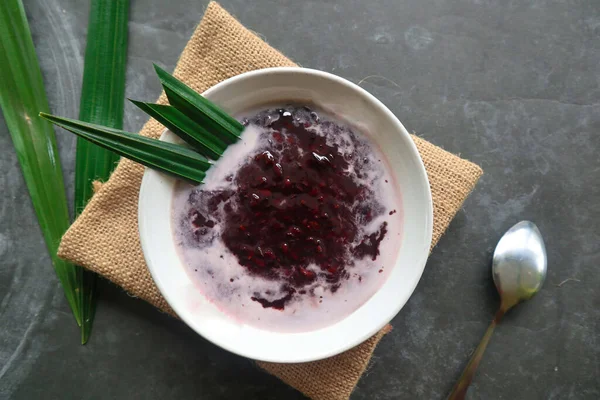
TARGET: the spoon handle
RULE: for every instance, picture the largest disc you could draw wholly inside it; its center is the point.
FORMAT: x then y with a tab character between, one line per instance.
460	389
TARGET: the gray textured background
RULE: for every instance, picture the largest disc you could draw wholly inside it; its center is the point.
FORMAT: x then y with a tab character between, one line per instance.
511	85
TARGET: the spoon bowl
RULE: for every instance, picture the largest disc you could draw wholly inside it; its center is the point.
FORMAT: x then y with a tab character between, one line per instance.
520	264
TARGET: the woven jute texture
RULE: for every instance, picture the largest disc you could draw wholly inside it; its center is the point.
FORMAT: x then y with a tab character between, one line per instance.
105	238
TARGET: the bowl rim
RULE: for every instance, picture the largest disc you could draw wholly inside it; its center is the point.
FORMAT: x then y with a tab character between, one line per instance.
400	129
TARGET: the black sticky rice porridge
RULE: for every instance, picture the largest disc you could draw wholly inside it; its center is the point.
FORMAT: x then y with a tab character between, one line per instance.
296	226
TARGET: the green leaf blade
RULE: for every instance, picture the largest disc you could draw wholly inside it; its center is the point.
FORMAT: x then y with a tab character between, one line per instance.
188	130
103	90
163	156
102	102
22	96
201	110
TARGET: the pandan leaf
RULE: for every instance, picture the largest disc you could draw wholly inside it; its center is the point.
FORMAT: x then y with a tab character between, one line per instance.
167	157
102	99
22	97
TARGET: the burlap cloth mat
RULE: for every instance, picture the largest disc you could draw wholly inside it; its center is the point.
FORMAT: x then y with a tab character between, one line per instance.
105	238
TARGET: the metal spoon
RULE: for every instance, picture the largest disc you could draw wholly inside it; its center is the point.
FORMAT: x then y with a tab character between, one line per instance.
519	269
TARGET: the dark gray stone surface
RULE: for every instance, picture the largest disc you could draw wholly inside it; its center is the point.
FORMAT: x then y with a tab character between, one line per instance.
511	85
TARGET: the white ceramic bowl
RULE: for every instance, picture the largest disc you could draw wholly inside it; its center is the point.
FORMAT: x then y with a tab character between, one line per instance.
273	85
